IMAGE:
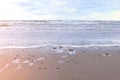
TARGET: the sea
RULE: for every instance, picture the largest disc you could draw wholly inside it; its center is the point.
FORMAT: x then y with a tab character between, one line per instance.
79	33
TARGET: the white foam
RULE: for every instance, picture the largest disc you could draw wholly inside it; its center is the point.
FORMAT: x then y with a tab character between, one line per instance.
95	45
7	65
31	64
71	52
59	51
27	61
16	61
22	47
40	59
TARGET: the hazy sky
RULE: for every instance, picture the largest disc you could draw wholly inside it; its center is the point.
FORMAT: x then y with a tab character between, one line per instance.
60	9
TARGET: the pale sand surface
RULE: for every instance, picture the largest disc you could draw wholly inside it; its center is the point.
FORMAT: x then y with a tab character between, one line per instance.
60	63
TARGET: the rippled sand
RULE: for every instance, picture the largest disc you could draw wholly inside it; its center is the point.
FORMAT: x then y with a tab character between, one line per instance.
60	63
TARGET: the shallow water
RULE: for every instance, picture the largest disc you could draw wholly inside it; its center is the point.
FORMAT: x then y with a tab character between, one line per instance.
77	33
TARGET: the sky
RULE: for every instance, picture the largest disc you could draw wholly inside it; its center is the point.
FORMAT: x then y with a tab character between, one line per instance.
59	10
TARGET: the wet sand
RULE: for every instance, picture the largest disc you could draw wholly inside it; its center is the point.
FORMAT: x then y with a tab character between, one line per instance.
60	63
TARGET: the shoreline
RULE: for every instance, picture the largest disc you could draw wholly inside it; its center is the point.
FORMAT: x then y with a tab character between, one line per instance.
44	45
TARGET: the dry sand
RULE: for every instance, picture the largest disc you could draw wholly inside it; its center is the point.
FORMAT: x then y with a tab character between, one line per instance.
60	63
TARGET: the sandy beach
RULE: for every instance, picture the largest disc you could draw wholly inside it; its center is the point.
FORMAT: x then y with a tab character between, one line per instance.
60	63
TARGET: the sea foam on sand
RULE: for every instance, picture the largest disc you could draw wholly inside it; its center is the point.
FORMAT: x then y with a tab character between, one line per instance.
44	63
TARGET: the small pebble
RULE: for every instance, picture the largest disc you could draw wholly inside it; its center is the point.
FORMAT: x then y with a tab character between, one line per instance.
60	46
17	55
14	58
42	68
57	68
67	61
70	50
54	47
83	51
107	54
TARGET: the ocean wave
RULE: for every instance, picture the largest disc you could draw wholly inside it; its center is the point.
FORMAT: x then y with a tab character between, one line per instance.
74	46
60	25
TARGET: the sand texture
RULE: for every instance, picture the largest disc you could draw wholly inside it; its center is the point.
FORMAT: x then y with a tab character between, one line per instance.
60	63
